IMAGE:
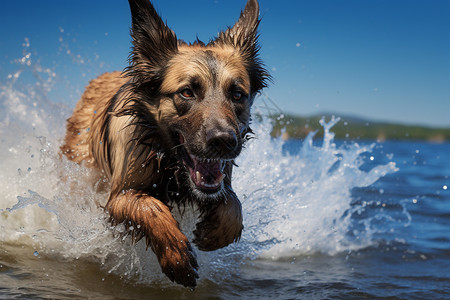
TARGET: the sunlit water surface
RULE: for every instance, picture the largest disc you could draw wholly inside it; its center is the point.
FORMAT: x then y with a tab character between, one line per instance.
323	219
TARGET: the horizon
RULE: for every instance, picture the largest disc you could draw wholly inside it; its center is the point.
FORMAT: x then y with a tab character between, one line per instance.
379	60
369	120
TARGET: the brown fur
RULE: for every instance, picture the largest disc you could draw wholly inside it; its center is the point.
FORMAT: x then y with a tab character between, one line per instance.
166	132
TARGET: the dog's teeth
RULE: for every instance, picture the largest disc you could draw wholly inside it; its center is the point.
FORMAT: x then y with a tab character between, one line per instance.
198	176
221	177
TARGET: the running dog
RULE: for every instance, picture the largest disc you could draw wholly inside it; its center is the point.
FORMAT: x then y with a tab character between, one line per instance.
165	132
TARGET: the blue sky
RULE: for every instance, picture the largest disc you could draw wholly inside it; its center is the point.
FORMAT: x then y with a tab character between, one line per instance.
384	60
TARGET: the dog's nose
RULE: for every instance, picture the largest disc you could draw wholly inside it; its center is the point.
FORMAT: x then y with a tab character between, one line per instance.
224	142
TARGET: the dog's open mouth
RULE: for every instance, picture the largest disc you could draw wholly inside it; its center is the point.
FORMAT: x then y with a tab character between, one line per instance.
206	174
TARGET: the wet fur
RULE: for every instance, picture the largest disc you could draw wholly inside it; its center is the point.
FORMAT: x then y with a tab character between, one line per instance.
128	127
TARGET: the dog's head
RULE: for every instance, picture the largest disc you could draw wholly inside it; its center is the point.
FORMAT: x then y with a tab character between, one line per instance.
199	95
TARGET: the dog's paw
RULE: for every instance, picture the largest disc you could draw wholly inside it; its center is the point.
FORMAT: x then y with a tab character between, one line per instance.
219	227
210	237
178	261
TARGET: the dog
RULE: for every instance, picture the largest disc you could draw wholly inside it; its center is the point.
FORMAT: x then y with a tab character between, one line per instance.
165	132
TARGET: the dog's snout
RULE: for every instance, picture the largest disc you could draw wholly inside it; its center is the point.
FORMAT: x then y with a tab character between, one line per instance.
224	142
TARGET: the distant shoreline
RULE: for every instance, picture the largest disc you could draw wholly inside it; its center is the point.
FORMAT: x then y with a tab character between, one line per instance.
297	127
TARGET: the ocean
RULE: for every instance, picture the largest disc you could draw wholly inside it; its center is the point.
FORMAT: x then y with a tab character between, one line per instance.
324	219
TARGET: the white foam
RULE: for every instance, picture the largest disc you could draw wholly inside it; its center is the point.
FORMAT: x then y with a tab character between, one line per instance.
297	204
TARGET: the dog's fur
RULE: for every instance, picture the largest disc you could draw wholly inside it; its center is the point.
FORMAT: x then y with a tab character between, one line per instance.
165	132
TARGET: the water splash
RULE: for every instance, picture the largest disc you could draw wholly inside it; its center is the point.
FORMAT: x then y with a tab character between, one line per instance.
300	204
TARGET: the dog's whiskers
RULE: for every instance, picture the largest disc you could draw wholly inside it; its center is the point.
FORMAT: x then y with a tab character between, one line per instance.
177	146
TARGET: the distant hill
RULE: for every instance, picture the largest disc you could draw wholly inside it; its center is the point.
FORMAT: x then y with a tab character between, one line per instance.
297	127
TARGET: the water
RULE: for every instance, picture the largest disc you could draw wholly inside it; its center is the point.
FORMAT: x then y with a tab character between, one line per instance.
323	219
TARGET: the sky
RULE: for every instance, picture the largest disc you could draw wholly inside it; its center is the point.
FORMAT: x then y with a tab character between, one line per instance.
383	60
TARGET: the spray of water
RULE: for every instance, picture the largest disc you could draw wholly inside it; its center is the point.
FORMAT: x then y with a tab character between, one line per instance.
300	204
294	204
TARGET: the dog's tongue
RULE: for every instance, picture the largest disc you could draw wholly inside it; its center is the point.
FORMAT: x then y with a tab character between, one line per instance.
207	175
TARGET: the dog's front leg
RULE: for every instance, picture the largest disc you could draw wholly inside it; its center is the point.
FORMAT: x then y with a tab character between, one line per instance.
221	224
151	217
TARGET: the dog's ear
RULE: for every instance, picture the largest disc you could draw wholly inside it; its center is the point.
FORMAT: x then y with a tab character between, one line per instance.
244	37
154	42
244	32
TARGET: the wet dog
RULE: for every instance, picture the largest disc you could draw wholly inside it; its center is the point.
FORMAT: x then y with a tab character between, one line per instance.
166	131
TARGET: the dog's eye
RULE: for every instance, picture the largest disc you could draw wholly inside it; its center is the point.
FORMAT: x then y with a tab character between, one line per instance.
238	96
187	93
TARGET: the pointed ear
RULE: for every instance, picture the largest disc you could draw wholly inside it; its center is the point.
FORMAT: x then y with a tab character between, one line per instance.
244	37
245	29
154	42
